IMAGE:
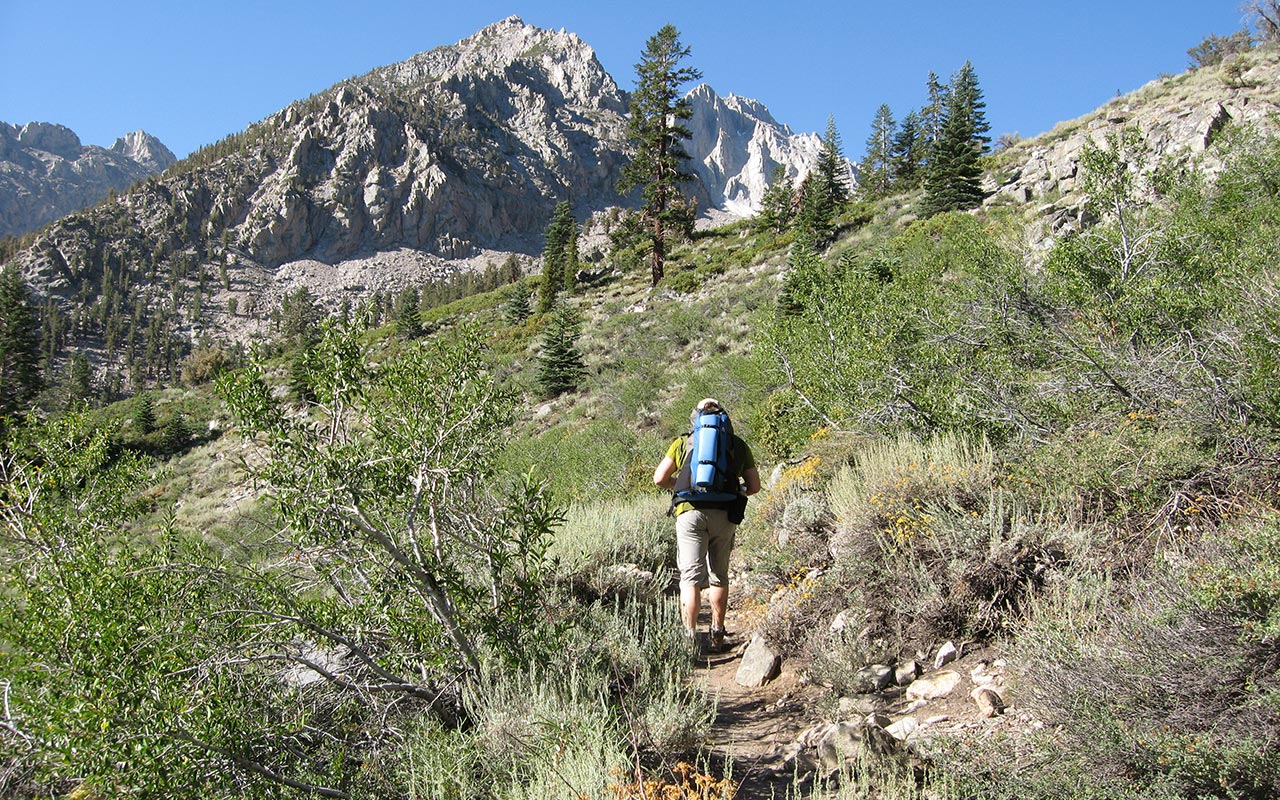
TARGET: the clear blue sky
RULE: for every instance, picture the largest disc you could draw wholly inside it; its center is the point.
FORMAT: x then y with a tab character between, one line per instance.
193	72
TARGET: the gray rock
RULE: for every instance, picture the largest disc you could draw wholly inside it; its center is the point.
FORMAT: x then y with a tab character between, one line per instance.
907	672
989	701
874	678
852	741
934	686
735	145
903	729
858	706
759	665
946	654
46	173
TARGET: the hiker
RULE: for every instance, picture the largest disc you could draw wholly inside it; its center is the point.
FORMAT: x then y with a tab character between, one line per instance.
705	528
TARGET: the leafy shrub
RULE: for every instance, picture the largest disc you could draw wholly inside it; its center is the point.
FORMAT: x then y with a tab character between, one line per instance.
928	545
1175	689
617	697
597	540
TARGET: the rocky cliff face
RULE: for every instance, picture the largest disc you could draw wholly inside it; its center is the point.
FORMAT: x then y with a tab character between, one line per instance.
45	172
456	152
737	144
1179	117
464	147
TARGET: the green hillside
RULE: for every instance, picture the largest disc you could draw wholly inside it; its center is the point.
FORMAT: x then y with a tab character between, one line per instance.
385	561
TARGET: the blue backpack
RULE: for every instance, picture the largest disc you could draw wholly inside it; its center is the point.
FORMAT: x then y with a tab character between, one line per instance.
709	476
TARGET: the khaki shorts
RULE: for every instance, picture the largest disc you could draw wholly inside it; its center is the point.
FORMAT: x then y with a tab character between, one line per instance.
704	539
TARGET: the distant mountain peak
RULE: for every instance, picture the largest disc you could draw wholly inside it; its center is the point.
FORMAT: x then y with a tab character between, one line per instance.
145	149
736	145
46	172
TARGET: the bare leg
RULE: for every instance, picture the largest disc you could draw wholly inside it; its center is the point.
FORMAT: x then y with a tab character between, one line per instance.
690	605
718	597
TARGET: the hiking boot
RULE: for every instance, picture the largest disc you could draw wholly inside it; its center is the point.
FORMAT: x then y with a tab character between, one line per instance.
697	647
717	640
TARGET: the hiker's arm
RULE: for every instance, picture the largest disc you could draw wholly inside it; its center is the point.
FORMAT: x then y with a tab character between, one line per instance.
665	475
751	477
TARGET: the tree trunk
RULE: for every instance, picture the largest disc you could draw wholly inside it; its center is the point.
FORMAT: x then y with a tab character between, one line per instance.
659	250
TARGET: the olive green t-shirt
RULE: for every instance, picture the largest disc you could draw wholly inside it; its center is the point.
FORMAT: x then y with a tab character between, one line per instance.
676	453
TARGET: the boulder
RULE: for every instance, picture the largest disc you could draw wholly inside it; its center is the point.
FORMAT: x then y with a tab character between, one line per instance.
989	701
759	665
934	686
873	678
946	654
907	672
852	741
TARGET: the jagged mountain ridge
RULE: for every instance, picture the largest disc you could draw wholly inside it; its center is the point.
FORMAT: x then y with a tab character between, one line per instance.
465	147
735	146
374	183
380	182
46	173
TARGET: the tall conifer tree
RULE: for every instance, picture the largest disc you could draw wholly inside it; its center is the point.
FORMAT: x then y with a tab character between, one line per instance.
775	205
19	344
560	364
908	151
657	129
824	191
557	260
953	176
877	165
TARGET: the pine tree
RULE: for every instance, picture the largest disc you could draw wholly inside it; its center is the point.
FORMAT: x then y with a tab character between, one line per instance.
803	265
144	415
824	192
908	152
561	236
933	115
77	383
776	204
656	129
966	97
19	344
953	176
876	179
517	309
408	316
570	277
560	363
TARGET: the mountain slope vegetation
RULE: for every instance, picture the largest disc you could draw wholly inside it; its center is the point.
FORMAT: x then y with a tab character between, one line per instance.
379	560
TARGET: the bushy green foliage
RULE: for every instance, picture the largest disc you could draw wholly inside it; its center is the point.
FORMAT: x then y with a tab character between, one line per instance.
618	696
560	363
588	462
913	336
121	671
20	379
1172	691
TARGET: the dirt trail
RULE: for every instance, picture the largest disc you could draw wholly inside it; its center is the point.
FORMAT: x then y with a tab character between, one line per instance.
756	728
755	725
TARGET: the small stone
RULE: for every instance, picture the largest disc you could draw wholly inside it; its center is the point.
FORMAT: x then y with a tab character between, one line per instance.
759	664
990	704
842	621
946	654
907	672
853	741
903	728
932	687
856	706
874	678
878	720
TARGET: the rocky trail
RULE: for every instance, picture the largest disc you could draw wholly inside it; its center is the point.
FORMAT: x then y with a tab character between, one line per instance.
788	730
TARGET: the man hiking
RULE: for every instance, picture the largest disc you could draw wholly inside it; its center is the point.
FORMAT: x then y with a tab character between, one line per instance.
711	472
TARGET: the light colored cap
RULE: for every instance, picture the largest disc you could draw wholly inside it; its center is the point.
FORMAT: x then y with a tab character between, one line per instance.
710	401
